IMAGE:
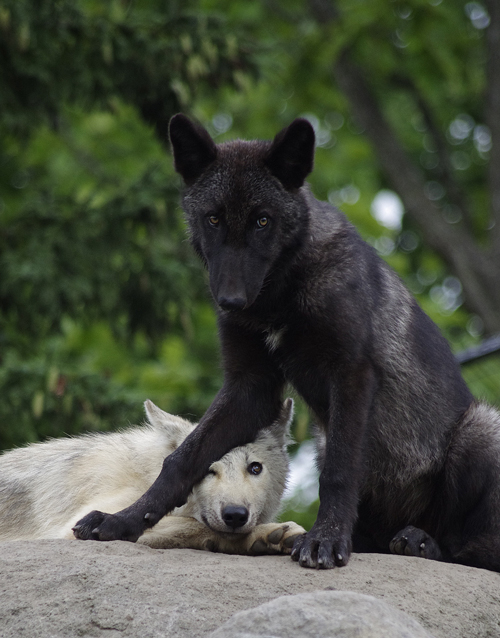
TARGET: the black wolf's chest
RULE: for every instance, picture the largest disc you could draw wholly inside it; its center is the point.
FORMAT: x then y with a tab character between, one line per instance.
306	357
274	337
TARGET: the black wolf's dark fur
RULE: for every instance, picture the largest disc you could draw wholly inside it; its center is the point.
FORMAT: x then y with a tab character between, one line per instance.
302	299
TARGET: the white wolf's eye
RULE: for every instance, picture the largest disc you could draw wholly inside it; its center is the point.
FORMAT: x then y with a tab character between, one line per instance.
255	468
262	222
212	472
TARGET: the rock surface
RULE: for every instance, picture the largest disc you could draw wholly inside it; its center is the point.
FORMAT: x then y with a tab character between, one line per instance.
329	614
72	588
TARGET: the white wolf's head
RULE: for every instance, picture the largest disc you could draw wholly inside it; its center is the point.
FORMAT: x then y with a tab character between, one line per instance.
244	488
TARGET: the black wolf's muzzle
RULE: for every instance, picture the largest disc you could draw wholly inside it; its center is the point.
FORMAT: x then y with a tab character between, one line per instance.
232	303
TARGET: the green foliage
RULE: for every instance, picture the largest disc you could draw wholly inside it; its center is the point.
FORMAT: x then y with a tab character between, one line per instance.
302	516
102	303
152	54
483	378
58	403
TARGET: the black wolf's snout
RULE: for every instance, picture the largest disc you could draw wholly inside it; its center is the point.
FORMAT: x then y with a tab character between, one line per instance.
235	516
232	303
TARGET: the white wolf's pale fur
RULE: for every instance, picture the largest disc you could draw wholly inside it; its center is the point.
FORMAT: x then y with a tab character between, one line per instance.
45	488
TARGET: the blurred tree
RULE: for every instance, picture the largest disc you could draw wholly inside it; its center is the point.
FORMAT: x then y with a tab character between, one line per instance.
435	82
93	255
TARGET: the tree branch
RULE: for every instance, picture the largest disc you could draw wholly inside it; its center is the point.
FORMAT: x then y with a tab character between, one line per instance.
453	244
456	195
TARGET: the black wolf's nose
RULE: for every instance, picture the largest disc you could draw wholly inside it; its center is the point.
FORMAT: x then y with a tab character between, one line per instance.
232	303
234	516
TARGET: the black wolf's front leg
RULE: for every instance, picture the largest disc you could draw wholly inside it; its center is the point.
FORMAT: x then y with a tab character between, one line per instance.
249	400
329	542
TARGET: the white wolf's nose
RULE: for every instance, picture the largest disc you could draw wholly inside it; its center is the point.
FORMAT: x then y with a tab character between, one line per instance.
235	516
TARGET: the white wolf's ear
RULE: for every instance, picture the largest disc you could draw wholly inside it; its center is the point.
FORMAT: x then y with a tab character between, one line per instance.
192	146
175	428
155	415
291	157
281	427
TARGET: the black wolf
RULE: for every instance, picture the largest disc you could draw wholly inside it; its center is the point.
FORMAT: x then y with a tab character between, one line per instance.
409	460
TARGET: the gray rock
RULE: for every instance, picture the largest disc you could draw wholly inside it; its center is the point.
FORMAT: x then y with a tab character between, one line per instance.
322	614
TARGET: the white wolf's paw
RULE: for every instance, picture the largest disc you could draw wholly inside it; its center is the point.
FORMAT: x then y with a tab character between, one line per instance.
274	538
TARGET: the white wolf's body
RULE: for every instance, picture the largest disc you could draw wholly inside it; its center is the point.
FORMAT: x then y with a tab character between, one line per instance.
45	488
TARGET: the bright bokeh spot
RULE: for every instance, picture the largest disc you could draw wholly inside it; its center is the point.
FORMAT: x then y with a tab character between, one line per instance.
388	210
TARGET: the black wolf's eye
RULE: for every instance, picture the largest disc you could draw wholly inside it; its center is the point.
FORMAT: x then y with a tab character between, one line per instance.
262	222
213	220
255	468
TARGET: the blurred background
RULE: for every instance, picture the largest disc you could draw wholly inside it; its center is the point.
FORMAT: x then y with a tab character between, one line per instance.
102	302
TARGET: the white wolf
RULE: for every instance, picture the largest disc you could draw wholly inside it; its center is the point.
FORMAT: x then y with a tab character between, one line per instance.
45	488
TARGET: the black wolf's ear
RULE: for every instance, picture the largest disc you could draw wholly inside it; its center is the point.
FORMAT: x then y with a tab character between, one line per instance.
291	156
192	146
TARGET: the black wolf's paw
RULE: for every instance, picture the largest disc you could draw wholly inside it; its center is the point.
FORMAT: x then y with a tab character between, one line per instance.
98	526
412	541
83	530
322	549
